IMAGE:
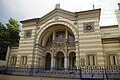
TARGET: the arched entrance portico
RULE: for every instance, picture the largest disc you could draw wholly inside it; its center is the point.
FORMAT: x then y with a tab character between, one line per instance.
48	61
59	60
58	37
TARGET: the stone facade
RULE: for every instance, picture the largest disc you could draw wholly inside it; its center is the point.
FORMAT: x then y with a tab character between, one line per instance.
63	39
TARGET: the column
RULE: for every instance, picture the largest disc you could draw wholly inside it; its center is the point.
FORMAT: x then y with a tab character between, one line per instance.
54	35
66	62
66	34
52	63
66	59
52	57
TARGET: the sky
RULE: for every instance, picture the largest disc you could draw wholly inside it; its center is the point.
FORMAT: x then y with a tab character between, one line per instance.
27	9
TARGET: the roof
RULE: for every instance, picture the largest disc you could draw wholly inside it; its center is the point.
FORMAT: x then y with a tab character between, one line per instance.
89	10
56	10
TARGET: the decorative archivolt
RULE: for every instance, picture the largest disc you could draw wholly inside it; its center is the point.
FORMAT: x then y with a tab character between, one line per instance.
71	52
47	53
65	23
59	51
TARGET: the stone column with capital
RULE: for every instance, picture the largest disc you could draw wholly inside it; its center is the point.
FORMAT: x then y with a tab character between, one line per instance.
52	56
66	62
66	58
52	62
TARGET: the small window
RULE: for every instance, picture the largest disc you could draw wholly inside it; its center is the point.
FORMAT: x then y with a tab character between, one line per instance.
112	60
91	60
13	60
27	33
23	60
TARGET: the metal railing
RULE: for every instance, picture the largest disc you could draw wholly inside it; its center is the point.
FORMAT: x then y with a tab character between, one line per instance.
111	72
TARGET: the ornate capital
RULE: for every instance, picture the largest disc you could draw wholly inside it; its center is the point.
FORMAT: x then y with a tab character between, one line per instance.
66	41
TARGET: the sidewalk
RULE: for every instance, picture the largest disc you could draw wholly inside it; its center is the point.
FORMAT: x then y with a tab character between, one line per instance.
11	77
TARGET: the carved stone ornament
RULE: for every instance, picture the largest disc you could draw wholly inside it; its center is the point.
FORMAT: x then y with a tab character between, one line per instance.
27	33
88	27
56	18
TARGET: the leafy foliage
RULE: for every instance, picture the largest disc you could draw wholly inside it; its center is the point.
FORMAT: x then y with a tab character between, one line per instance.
9	34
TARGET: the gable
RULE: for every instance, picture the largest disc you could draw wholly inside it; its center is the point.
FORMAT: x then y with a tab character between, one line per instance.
58	12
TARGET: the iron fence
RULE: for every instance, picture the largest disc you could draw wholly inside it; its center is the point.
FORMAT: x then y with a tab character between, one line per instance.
111	72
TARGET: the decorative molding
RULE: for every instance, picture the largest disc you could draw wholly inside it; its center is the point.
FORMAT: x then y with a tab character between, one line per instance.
56	18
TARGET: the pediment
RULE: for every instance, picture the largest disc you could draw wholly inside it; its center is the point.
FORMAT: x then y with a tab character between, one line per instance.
57	13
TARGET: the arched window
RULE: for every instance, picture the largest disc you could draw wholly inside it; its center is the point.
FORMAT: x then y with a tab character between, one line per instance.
71	38
60	36
13	60
91	60
49	41
112	59
23	60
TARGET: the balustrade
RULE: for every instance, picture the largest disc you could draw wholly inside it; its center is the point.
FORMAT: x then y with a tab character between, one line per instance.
61	46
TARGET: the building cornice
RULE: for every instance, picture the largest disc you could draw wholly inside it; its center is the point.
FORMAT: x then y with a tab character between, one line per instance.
110	26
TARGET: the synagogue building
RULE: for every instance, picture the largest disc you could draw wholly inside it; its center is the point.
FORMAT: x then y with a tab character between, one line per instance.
64	39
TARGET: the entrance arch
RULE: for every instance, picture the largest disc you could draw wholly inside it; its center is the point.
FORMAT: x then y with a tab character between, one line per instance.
48	61
59	60
57	35
72	60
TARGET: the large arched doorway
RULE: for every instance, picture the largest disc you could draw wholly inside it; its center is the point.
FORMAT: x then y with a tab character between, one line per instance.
59	60
72	60
48	61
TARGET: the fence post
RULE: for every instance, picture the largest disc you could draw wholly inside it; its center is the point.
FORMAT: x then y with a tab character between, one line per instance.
80	73
103	72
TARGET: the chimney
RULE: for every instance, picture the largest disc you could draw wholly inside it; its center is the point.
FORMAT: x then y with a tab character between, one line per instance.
119	5
57	6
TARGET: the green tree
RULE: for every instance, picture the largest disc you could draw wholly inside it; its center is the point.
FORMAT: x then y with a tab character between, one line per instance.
13	30
9	35
3	36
